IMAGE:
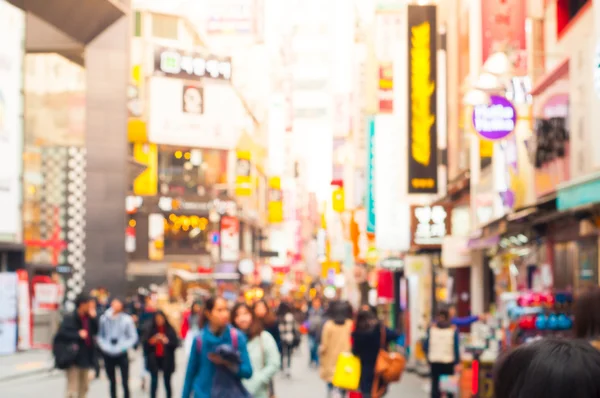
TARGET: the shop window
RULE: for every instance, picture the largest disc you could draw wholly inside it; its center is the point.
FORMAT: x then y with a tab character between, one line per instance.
185	171
588	265
165	27
566	12
186	235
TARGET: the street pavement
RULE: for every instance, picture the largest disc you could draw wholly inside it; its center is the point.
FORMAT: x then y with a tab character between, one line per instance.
303	383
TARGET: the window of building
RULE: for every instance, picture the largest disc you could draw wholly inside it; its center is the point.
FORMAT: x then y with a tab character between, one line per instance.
138	24
187	171
186	235
165	27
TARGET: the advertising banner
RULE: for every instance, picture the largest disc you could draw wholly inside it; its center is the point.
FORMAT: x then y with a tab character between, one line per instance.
422	126
187	114
230	239
243	174
8	312
12	29
191	65
496	120
370	193
275	205
503	29
25	320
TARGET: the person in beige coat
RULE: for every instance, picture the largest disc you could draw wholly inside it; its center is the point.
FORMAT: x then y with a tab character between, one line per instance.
335	339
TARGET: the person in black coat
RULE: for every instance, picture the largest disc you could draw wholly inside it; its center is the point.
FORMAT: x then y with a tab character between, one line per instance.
366	342
160	342
74	346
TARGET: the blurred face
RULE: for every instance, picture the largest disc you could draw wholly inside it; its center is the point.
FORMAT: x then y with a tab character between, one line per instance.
316	304
219	316
243	318
117	306
196	308
452	312
260	310
160	320
84	307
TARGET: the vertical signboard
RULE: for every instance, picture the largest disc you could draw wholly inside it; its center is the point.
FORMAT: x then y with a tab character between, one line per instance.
422	127
275	205
12	30
243	174
370	193
386	88
230	239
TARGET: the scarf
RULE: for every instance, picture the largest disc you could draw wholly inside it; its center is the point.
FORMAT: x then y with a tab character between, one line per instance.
160	347
85	323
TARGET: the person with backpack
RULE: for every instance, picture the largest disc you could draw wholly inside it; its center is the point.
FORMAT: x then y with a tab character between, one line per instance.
263	351
117	335
74	346
290	334
219	358
160	342
442	348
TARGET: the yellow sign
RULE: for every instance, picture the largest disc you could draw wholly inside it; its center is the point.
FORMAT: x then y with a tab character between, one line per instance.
275	205
243	174
338	200
146	184
486	148
328	266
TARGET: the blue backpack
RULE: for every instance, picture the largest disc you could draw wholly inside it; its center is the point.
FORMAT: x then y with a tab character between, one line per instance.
225	384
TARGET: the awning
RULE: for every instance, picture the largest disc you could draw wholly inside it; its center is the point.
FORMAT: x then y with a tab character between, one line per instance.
547	202
484	242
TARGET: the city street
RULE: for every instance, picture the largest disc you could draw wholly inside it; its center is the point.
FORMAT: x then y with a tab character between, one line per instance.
304	382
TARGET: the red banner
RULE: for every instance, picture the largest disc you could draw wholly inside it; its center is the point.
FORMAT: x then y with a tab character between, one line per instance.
503	29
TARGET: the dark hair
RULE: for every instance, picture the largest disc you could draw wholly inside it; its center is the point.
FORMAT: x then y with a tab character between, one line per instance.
161	313
209	306
269	319
365	320
82	299
284	308
195	303
549	368
339	312
255	328
587	315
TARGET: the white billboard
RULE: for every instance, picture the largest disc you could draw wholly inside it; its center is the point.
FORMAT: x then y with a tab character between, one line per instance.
201	115
392	213
12	29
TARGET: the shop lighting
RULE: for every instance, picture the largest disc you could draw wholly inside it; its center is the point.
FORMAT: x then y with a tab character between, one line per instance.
504	243
187	156
178	154
132	223
523	238
488	82
514	240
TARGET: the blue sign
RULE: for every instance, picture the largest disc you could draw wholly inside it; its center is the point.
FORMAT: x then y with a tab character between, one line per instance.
583	194
370	196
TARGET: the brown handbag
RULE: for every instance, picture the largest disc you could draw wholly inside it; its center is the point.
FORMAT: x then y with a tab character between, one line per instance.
389	367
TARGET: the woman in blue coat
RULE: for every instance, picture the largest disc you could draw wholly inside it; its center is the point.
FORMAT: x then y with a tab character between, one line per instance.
203	362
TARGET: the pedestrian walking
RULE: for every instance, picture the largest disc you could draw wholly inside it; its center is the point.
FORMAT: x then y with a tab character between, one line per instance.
219	353
442	348
335	340
269	320
74	347
315	321
117	335
262	349
366	343
289	331
147	312
160	342
191	325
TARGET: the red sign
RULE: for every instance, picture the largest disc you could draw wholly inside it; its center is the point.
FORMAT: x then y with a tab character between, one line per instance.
386	88
503	29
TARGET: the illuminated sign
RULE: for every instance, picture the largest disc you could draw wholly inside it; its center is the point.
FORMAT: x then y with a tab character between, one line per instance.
422	94
370	196
429	225
496	120
191	65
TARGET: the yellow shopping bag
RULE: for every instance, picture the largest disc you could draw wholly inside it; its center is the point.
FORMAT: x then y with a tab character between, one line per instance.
347	372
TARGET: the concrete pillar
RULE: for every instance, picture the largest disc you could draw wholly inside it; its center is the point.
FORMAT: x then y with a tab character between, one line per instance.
108	71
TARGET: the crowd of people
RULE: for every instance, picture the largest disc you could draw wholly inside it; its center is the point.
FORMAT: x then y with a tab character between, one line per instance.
236	349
